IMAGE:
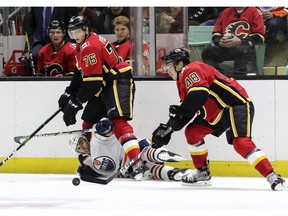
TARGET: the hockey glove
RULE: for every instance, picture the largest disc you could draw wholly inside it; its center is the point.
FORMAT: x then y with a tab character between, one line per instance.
70	111
177	120
87	171
64	98
161	136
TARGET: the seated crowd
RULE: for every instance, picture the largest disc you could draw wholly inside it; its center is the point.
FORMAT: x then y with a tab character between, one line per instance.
236	34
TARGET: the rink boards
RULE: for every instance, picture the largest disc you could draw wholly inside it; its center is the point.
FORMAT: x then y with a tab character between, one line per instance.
27	104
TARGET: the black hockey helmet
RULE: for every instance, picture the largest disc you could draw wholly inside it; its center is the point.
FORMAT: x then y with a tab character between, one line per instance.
104	127
57	24
177	55
77	22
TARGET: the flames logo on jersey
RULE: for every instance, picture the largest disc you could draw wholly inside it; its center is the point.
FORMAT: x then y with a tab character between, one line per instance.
54	69
240	28
104	163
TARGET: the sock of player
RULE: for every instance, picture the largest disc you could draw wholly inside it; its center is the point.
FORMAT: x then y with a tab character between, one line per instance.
164	172
124	133
199	154
260	162
257	158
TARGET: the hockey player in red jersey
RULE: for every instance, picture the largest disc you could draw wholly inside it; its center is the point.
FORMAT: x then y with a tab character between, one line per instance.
211	103
104	83
58	57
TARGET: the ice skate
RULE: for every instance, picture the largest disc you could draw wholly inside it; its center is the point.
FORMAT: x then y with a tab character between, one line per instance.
277	182
138	171
176	174
198	177
168	156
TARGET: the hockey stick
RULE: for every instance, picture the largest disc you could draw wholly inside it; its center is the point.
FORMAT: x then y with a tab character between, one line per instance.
18	138
122	171
30	55
29	137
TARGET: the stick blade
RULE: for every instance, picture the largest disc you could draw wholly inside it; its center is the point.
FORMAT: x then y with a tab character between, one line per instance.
91	179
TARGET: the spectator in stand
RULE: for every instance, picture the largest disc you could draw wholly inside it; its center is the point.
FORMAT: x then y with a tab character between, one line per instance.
105	19
98	10
176	26
169	20
123	44
203	16
39	19
275	22
58	57
235	34
91	16
145	17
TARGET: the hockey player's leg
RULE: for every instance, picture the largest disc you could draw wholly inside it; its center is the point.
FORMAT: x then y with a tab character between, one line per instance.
176	174
198	177
277	182
201	176
195	134
161	155
257	158
164	172
124	133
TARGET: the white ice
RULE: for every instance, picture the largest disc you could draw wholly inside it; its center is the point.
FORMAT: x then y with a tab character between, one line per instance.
33	192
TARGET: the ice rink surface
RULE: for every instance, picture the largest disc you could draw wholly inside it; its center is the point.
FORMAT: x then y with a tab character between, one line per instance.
26	194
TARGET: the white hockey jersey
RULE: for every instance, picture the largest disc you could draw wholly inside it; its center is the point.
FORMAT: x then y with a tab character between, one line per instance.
107	154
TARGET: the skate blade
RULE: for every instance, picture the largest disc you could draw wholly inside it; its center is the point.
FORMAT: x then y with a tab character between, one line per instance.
196	184
281	187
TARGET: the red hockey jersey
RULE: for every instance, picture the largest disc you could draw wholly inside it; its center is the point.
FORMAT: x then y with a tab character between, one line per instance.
56	63
96	53
223	91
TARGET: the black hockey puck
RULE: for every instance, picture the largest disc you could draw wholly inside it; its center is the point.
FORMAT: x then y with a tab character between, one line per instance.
76	181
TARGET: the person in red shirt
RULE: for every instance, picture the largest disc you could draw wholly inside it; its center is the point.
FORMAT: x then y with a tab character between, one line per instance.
211	103
58	57
235	34
123	45
103	82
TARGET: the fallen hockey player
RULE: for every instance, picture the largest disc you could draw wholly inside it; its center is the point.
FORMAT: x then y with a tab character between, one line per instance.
101	156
